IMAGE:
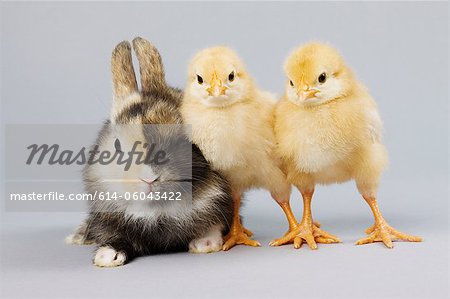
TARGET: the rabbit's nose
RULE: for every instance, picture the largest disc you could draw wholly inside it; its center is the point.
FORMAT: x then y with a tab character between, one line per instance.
149	180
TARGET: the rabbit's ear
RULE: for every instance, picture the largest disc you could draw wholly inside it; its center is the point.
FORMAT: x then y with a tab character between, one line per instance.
151	66
123	76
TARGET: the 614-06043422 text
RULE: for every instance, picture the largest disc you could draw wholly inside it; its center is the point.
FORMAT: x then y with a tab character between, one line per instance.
106	196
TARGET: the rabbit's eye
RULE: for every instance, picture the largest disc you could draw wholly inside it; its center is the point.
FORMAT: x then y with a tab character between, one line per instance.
117	145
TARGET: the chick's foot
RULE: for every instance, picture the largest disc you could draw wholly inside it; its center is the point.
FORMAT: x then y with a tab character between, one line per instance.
311	233
239	236
383	232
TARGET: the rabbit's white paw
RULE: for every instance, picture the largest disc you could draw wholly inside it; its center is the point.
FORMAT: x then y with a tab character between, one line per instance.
210	242
109	257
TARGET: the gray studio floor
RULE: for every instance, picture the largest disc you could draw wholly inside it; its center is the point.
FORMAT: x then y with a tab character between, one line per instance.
37	263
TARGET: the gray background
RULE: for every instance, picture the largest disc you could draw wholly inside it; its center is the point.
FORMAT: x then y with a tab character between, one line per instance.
55	69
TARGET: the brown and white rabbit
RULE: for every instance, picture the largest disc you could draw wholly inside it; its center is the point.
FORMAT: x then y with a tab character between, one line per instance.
124	229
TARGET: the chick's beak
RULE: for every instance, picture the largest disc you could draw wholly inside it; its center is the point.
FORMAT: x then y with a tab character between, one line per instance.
305	92
216	87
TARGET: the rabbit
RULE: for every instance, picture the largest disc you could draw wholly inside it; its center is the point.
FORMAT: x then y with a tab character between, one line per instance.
125	229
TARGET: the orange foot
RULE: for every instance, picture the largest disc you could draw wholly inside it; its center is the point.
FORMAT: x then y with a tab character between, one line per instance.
239	236
311	233
383	232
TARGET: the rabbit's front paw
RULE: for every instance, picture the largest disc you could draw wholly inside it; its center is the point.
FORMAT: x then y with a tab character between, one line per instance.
210	242
109	257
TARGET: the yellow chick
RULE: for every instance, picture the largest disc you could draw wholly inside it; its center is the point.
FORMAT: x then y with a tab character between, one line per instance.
232	123
328	131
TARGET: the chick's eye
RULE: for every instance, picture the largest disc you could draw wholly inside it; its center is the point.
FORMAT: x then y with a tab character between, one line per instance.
322	78
292	83
117	145
231	77
199	79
